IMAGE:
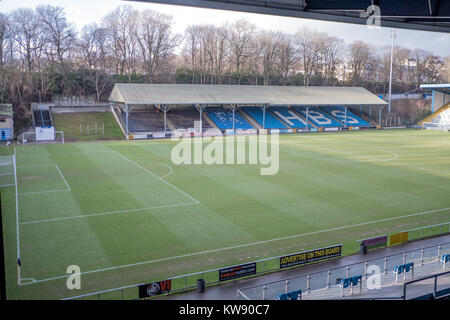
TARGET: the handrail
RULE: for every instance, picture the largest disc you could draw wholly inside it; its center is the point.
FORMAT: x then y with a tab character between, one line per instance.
348	265
434	276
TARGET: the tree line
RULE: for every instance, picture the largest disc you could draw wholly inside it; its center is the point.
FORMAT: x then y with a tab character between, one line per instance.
43	55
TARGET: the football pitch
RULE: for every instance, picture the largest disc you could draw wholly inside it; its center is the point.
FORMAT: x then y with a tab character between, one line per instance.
125	214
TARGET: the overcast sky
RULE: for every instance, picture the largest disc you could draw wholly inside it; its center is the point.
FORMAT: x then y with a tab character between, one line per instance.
82	12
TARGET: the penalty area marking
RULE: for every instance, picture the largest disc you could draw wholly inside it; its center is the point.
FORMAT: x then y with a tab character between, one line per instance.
244	245
109	213
395	156
156	176
49	191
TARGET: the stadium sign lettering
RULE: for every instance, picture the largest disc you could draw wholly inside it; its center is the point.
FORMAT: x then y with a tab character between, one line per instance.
237	271
310	256
154	288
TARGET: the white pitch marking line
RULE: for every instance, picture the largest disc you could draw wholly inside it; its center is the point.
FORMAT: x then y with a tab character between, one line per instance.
37	166
61	154
395	156
422	168
156	176
247	244
39	192
167	174
65	181
6	174
6	185
109	213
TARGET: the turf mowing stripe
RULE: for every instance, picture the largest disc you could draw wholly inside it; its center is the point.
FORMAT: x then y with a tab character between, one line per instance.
242	245
156	176
111	212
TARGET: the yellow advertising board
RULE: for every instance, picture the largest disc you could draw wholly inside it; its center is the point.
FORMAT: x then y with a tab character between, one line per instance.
397	238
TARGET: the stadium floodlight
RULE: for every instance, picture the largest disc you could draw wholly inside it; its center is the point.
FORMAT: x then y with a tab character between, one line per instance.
393	35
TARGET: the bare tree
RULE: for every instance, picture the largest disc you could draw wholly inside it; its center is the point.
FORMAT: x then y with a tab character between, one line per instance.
359	56
93	51
155	40
242	47
287	57
59	33
121	25
308	46
269	49
332	55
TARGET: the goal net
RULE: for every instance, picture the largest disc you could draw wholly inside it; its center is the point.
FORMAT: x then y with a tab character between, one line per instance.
31	137
7	171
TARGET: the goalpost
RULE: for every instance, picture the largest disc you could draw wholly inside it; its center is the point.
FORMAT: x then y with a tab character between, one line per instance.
30	136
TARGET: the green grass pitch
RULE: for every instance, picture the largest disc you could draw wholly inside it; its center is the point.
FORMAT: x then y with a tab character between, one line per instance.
125	214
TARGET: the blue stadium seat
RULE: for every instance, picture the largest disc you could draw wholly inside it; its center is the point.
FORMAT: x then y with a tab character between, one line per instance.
290	117
223	118
318	117
339	113
271	121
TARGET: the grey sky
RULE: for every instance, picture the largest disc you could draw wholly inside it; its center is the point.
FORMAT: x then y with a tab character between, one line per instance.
82	12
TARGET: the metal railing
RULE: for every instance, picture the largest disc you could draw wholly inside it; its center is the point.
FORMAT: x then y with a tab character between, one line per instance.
189	281
325	279
182	283
428	231
435	292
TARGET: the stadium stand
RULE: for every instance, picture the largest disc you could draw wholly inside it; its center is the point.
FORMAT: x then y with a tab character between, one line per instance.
149	120
290	117
223	118
271	122
338	112
440	117
318	117
184	118
42	118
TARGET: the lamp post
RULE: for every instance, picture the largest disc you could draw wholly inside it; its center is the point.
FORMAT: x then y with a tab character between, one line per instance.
390	72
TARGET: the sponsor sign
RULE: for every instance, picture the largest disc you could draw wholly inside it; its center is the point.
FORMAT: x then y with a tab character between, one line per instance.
240	271
331	129
398	238
158	135
154	288
263	131
212	133
275	131
229	132
45	133
140	136
375	242
310	256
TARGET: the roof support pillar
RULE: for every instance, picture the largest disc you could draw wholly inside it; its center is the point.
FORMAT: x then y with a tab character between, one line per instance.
379	117
165	108
200	109
234	107
345	116
307	116
370	114
126	119
263	108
